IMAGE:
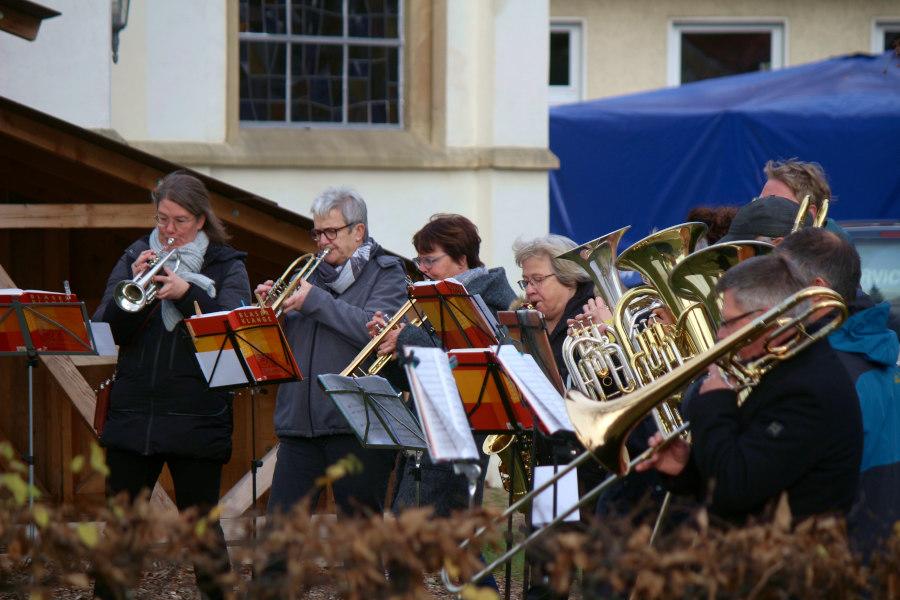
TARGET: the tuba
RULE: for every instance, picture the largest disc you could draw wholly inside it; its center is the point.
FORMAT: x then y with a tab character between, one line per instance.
603	427
132	295
284	286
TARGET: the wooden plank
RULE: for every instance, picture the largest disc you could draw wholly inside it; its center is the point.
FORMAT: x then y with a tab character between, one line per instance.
75	216
19	23
113	163
81	395
239	498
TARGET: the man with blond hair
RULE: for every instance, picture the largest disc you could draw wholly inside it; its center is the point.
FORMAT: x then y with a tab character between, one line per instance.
795	179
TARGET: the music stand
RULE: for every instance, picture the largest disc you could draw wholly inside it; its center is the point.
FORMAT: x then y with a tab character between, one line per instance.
243	348
33	323
375	411
459	319
527	328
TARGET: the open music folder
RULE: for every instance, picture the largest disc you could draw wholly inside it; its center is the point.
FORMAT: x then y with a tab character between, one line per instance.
242	347
439	406
527	328
43	322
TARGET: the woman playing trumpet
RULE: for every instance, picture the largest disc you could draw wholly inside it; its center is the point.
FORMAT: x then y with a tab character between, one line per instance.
161	409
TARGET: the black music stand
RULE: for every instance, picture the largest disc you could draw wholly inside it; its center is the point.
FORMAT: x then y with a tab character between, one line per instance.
37	329
375	412
255	354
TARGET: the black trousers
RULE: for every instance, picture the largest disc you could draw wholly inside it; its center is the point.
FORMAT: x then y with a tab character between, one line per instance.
303	460
197	482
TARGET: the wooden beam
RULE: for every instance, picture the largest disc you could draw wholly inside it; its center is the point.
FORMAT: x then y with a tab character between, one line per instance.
23	18
239	498
116	164
81	395
75	216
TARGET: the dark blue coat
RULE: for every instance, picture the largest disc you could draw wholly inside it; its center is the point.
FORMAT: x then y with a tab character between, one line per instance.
160	403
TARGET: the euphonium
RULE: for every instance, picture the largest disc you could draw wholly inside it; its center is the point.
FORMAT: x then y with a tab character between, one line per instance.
695	277
132	295
603	427
297	271
654	257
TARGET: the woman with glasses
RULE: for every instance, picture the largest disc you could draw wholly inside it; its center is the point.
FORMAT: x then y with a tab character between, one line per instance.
161	410
447	246
325	323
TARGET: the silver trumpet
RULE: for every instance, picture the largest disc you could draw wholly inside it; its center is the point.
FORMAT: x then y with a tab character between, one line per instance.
132	295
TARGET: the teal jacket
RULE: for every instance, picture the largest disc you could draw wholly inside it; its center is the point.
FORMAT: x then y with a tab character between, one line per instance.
869	351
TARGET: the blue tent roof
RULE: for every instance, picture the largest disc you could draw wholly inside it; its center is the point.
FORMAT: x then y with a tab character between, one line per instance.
646	159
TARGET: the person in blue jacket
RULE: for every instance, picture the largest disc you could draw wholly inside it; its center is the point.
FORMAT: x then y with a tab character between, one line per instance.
869	351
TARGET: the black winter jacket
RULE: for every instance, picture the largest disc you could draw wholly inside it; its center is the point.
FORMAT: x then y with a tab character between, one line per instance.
799	431
160	402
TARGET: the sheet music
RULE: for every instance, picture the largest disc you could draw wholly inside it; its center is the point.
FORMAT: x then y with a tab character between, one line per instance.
537	390
103	338
566	496
228	371
439	406
361	400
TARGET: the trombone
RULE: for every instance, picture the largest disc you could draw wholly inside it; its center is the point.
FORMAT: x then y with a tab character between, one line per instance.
821	215
603	427
284	286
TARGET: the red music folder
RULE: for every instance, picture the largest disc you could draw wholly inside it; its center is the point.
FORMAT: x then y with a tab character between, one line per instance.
56	322
260	345
477	373
459	319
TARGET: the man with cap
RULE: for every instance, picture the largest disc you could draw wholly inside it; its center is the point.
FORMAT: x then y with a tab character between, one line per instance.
766	219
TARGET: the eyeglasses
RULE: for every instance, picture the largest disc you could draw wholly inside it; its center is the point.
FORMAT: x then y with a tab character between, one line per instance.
535	280
733	320
427	261
179	222
329	232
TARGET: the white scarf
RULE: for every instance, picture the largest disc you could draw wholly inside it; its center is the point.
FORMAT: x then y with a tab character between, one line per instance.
191	256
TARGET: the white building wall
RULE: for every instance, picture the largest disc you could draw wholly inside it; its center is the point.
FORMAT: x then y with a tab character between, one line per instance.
170	81
65	72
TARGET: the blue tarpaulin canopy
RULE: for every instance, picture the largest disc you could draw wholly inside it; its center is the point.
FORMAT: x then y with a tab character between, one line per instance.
646	159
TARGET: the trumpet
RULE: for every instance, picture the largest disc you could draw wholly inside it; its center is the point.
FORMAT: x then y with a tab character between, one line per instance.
284	286
132	295
603	427
356	369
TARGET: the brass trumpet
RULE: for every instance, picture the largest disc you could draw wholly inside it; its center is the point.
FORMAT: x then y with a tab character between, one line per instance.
284	286
132	295
356	369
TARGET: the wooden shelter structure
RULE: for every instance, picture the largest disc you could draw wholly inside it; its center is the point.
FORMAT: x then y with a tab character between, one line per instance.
71	200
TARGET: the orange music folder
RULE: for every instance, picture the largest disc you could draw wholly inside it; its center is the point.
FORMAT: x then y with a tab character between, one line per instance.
260	345
482	396
55	321
459	319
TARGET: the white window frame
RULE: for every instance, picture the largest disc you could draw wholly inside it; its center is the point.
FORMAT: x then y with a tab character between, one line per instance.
880	25
776	26
575	91
345	41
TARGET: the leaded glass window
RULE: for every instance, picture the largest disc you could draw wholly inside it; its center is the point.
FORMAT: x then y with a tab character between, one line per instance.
321	62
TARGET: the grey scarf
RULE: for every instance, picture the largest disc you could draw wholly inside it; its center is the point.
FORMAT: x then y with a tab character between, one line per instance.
342	277
191	256
466	277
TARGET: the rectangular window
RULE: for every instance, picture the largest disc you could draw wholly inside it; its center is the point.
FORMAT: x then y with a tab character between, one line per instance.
703	50
566	64
321	63
885	35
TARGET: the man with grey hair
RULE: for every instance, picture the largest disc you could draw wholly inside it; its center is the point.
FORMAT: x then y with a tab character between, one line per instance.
798	432
868	349
325	323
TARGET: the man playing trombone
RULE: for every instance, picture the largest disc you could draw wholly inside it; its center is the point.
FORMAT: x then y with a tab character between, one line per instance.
799	431
325	323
